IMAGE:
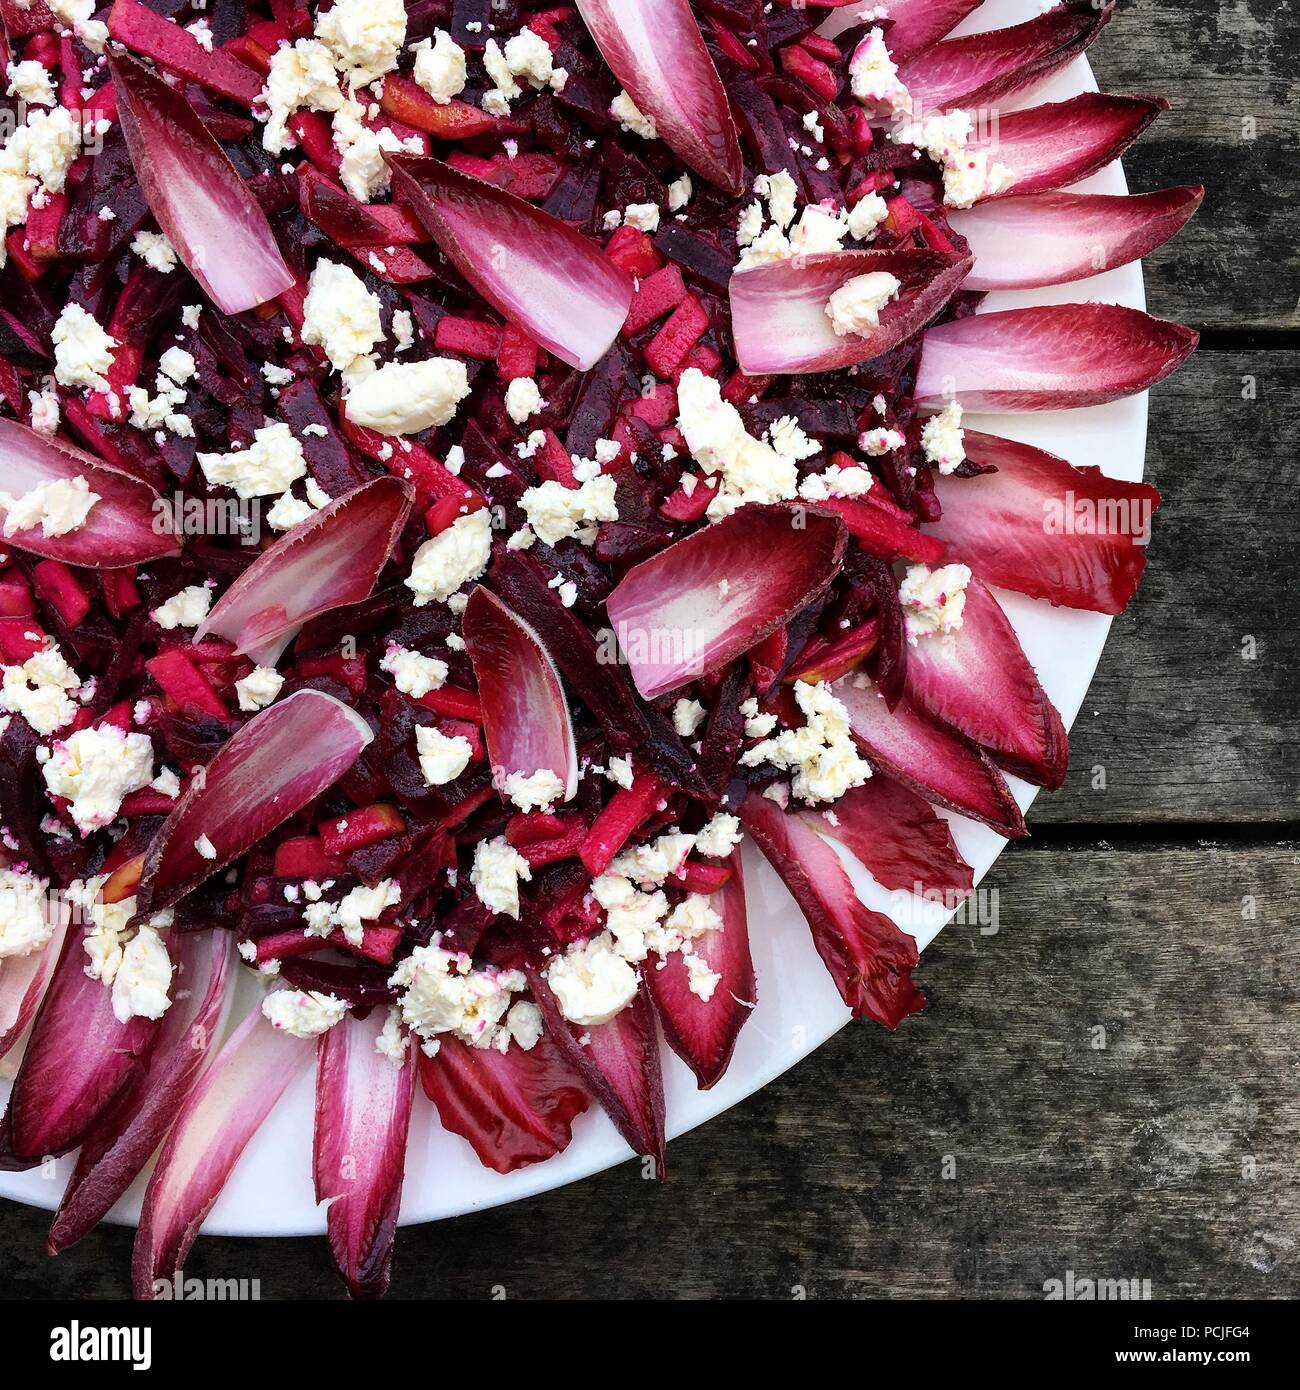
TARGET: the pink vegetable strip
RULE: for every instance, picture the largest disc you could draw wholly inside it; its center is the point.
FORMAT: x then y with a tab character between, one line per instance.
657	52
618	1062
127	526
1050	357
914	24
116	1150
363	1111
78	1059
525	714
979	69
279	762
896	835
1054	238
1065	141
332	559
137	27
24	980
981	684
205	208
222	1113
703	1032
547	279
1044	528
868	957
930	759
703	601
514	1108
779	318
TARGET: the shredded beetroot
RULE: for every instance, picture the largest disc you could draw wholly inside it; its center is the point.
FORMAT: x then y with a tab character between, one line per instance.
468	506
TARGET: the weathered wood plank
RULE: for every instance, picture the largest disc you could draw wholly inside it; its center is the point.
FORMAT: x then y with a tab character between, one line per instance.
1228	68
1161	1148
1196	694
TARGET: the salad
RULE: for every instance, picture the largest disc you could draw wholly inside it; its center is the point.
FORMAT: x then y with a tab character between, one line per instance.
466	466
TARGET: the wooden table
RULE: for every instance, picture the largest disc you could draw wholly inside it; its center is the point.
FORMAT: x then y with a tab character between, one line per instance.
1109	1084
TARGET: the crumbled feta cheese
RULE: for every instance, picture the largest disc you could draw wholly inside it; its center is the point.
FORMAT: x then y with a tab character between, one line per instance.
365	37
822	754
538	792
287	512
57	507
205	847
187	608
878	442
302	76
781	193
498	869
835	481
440	67
143	978
353	911
302	1013
413	673
178	364
167	783
341	316
643	216
442	758
626	112
268	466
27	914
444	993
83	352
190	315
38	690
751	470
524	1024
407	397
452	558
94	769
867	215
750	227
719	837
393	1040
523	399
202	33
688	715
258	689
873	76
787	437
155	250
30	83
818	231
680	192
591	981
855	307
556	512
943	438
44	408
933	600
967	174
619	771
701	979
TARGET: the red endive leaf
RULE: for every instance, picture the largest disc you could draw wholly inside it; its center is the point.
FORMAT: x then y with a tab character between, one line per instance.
978	681
129	525
525	715
547	279
222	1113
657	52
78	1059
279	762
116	1149
331	560
978	69
514	1107
913	24
207	211
897	836
930	759
1044	528
1054	238
1065	141
703	1032
24	980
363	1111
779	318
870	959
172	46
712	596
619	1064
1049	357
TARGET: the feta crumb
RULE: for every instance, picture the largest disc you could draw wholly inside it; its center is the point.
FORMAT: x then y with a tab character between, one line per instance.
591	982
538	792
556	512
83	351
269	466
452	558
258	689
440	67
719	837
38	689
95	769
442	758
413	674
688	715
58	508
302	1013
855	307
822	754
143	978
27	915
155	250
943	439
205	847
625	111
523	399
407	397
186	608
643	216
341	317
498	869
933	600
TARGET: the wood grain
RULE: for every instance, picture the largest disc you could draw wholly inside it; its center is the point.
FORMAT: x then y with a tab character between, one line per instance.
1162	1148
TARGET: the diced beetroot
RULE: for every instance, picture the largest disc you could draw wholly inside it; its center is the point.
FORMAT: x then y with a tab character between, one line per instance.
305	856
686	506
701	876
632	249
349	671
361	827
529	827
120	593
470	337
20	638
316	137
623	813
518	356
669	348
185	685
453	120
553	461
657	407
147	802
796	60
560	847
16	596
453	701
377	943
655	295
829	658
62	590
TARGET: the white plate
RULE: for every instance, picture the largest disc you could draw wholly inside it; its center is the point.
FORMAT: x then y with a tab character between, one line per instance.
270	1191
